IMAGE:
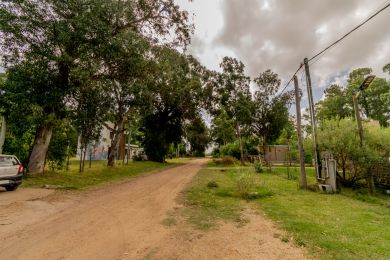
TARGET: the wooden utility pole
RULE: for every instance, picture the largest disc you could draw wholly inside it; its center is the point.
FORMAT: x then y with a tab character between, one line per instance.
317	159
358	119
299	130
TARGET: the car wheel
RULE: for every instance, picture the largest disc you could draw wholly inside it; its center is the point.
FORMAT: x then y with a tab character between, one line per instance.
11	187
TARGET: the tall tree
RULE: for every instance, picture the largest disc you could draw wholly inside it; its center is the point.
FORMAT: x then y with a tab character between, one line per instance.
223	130
59	36
234	95
197	134
335	104
271	113
175	97
90	106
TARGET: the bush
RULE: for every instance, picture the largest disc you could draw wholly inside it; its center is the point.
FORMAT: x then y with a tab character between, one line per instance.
232	149
226	160
245	185
212	184
259	168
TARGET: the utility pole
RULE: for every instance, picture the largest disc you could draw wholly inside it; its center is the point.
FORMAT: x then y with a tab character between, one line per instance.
317	159
299	130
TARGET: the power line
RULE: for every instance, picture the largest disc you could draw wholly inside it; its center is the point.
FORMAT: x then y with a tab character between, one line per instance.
319	55
350	32
289	82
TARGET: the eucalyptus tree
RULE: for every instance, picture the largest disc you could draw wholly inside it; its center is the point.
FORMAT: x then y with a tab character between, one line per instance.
47	44
198	136
223	130
89	107
271	109
335	104
175	97
234	95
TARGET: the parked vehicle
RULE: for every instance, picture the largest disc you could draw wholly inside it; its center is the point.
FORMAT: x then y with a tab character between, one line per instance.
11	172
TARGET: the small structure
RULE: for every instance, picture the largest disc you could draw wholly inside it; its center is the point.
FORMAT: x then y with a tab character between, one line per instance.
2	133
276	153
328	183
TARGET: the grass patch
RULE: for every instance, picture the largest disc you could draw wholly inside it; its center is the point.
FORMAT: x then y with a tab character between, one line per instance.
169	222
98	174
332	226
206	206
349	225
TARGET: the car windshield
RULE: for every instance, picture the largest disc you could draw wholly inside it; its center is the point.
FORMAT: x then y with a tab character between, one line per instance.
7	161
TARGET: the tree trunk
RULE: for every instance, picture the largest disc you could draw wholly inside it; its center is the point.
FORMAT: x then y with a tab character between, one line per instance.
370	182
115	143
67	158
113	150
81	159
84	156
90	159
240	142
36	164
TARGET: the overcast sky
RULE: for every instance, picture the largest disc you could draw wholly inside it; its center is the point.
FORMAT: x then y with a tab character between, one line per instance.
277	35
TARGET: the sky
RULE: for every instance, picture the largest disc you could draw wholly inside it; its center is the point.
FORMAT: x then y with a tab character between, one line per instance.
279	34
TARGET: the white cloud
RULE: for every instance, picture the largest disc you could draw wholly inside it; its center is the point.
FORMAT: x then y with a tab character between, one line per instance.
277	35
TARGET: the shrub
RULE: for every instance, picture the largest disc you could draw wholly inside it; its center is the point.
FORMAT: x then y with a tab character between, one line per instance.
245	185
232	149
212	184
226	160
259	168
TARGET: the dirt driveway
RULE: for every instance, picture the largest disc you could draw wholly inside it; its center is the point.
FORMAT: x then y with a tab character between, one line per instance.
124	221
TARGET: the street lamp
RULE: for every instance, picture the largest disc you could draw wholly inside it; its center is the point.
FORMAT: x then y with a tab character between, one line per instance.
366	83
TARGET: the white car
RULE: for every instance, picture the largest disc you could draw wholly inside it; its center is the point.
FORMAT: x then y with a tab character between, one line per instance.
11	172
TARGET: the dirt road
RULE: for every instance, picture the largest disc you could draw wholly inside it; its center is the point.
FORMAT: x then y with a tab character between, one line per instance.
123	221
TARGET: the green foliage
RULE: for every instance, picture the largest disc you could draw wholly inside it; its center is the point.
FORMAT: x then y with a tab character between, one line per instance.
234	95
225	160
223	130
232	149
246	182
378	139
386	68
198	135
334	105
17	143
160	131
259	167
53	50
271	110
374	100
212	184
63	144
175	98
340	136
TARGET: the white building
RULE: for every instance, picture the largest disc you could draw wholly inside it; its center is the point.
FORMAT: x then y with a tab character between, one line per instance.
99	151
